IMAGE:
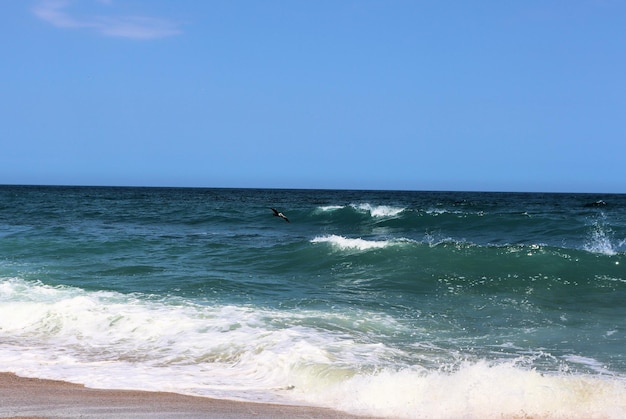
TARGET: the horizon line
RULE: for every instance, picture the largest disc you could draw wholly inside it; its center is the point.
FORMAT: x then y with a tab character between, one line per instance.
307	189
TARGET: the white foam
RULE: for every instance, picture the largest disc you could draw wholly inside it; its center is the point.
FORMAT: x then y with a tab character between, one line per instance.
111	340
437	211
378	210
477	390
344	243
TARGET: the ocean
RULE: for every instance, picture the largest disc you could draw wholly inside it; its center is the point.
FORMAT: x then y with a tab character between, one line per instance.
384	303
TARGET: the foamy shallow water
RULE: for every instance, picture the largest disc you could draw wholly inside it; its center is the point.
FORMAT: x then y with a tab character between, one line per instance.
110	340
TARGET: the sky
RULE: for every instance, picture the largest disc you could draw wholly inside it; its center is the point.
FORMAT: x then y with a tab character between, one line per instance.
331	94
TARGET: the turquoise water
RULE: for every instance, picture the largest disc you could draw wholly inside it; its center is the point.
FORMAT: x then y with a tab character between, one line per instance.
398	304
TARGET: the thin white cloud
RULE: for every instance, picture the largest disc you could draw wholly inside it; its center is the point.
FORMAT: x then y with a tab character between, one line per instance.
53	12
58	13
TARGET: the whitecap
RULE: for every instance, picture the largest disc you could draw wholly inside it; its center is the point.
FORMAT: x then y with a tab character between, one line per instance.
345	243
378	210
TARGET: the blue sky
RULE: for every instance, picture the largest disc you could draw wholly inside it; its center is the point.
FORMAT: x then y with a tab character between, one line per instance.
418	95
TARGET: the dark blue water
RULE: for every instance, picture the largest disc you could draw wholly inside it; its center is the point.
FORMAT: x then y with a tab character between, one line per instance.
374	302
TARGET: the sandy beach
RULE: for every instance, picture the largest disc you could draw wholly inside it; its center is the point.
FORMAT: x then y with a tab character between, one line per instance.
35	398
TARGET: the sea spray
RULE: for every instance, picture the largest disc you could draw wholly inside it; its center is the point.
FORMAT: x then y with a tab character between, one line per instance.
601	238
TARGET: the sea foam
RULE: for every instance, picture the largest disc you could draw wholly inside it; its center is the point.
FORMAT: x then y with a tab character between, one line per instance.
477	390
129	341
112	340
345	243
378	210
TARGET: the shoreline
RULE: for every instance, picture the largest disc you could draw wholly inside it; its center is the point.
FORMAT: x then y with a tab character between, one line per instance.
41	398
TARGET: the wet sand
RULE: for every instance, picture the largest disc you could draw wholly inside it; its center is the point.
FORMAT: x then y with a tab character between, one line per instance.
35	398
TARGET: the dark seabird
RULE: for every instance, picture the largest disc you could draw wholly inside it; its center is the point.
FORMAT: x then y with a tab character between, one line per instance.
279	214
599	203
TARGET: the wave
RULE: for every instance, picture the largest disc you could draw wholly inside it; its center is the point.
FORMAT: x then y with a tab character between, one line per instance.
417	266
330	358
379	210
389	211
475	229
478	390
446	245
345	243
594	233
376	211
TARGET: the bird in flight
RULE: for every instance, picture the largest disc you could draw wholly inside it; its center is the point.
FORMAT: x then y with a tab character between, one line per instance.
279	214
